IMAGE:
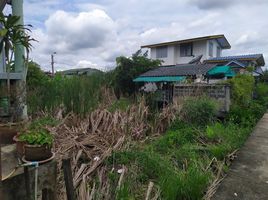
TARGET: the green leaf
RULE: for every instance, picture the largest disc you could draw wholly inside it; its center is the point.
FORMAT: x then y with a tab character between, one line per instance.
3	32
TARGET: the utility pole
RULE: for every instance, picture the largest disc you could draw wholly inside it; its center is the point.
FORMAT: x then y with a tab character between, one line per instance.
19	63
52	63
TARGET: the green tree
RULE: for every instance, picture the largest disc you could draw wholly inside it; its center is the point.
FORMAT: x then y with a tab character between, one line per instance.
129	68
35	76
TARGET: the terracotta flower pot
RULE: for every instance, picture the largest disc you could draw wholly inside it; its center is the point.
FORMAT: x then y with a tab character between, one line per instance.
37	152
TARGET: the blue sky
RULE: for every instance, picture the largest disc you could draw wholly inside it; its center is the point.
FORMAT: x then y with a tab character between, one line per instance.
88	33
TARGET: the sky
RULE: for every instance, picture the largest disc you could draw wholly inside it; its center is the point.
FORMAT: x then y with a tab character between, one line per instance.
92	33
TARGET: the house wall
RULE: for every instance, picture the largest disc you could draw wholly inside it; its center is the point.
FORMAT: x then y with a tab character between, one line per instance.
215	45
199	48
170	55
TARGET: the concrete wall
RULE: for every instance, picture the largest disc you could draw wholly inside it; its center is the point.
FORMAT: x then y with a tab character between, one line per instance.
219	92
199	48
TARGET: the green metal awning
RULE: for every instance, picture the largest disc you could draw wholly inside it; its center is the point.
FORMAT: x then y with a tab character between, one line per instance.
221	70
160	79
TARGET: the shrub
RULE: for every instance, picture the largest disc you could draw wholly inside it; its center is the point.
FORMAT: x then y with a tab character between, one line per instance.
262	93
242	89
199	111
246	116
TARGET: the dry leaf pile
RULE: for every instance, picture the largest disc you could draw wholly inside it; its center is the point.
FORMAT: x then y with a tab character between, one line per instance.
89	141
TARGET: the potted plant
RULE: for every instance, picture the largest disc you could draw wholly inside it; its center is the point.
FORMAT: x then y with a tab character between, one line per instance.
37	144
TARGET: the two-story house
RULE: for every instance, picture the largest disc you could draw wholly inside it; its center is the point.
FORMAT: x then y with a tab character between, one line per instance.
183	51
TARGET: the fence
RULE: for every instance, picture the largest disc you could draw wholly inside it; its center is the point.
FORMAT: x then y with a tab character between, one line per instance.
219	92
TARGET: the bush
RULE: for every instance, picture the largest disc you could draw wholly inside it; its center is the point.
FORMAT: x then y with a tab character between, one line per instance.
262	93
246	116
242	89
199	111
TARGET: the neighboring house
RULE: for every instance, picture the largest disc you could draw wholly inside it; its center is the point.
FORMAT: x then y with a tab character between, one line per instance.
166	81
79	72
240	62
196	60
183	51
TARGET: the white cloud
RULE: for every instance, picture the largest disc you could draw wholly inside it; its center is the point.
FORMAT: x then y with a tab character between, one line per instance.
79	36
71	32
97	32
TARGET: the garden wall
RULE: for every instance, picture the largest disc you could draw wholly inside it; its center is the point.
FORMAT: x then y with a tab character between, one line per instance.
219	92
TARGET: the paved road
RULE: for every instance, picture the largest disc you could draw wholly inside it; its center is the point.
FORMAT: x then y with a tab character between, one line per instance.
247	178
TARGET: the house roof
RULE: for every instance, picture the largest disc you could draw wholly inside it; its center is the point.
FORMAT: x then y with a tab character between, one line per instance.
159	79
239	64
219	38
79	71
221	70
179	70
251	57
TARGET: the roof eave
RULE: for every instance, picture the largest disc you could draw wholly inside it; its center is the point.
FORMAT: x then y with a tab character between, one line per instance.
228	46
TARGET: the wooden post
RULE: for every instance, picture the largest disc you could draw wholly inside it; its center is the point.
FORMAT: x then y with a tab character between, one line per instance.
48	194
1	192
68	178
27	182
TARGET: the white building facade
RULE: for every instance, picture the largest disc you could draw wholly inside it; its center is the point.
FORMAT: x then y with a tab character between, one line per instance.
183	51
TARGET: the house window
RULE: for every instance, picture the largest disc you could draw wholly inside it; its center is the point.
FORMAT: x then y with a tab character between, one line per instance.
186	49
218	51
210	49
161	52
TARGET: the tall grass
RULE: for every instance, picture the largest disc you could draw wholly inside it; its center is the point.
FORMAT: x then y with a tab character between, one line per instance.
74	94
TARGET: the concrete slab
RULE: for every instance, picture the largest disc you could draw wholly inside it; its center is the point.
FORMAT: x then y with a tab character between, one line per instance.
14	187
9	160
247	178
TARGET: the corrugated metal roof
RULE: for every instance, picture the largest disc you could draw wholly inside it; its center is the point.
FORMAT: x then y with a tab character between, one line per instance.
160	79
180	70
258	57
224	70
238	57
221	39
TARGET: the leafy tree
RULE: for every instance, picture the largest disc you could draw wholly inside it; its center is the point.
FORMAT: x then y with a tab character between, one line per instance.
129	68
35	76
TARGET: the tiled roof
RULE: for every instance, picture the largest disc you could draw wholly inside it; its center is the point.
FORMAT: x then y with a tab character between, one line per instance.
179	70
251	56
258	57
